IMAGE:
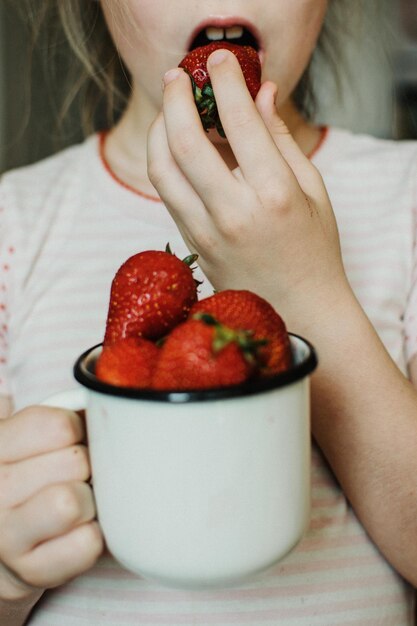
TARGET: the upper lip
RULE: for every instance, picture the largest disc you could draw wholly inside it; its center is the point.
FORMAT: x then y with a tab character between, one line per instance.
221	21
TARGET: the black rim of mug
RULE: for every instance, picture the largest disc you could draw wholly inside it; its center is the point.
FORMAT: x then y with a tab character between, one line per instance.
84	374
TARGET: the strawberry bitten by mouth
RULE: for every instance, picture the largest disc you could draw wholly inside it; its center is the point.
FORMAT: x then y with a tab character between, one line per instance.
195	64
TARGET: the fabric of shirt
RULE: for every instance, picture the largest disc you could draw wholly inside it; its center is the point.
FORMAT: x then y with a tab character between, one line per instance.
66	226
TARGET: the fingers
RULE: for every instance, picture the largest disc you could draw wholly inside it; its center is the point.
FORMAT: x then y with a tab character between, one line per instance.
37	430
20	480
300	164
47	510
59	560
173	187
163	172
54	511
188	143
52	537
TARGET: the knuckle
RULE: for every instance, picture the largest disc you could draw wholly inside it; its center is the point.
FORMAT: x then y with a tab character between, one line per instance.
241	117
184	146
7	539
81	462
65	503
90	540
203	240
160	172
6	475
66	426
280	128
155	172
316	177
29	573
277	196
232	230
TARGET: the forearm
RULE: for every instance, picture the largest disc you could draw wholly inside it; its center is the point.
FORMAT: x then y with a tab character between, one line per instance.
365	422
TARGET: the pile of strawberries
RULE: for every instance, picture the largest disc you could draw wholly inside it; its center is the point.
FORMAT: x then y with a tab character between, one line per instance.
160	336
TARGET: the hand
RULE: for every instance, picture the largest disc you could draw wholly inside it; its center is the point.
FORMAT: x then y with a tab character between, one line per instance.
48	534
267	225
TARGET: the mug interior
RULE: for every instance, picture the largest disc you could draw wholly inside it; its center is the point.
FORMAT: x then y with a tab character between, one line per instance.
304	363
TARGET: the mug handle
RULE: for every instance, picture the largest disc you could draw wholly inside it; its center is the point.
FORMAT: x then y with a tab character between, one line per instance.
71	399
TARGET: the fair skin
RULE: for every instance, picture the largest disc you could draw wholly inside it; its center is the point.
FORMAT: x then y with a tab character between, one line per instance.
257	213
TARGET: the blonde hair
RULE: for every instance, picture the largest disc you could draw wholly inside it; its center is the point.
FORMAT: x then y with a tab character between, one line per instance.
96	78
74	40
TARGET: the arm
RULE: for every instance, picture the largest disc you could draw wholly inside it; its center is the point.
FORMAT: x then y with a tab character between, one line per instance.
365	421
268	226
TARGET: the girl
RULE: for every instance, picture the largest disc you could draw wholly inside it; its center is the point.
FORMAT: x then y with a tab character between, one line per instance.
318	221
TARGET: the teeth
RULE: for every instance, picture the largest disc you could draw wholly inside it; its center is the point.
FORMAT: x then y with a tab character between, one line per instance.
234	32
216	34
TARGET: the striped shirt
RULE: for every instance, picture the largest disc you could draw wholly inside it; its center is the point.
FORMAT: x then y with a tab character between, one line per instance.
66	225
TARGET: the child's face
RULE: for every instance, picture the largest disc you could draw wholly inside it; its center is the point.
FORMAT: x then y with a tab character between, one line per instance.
154	35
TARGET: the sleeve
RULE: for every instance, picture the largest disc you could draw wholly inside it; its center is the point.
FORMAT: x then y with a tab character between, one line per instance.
410	314
6	254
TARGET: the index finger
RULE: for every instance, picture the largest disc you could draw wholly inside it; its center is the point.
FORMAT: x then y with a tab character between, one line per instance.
38	429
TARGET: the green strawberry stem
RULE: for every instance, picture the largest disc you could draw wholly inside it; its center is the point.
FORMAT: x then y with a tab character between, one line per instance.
225	335
189	260
207	107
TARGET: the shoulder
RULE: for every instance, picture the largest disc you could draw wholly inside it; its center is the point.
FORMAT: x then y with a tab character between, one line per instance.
45	174
346	148
34	194
369	164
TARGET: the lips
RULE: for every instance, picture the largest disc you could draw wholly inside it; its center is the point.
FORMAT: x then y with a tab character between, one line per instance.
234	30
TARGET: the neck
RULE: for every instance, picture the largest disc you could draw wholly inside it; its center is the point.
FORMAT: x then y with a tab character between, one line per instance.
125	148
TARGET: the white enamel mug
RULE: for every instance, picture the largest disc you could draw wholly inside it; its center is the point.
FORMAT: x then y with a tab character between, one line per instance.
199	489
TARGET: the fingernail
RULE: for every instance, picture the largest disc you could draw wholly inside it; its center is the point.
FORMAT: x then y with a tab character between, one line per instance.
171	75
217	57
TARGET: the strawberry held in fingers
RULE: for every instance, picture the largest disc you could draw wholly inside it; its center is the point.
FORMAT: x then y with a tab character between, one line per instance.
195	64
151	293
241	309
129	362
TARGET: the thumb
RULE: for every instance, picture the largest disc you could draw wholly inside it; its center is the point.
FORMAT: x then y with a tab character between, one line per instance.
286	144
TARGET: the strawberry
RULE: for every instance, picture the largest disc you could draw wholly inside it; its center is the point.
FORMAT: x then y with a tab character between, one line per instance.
128	362
195	64
151	293
203	354
240	309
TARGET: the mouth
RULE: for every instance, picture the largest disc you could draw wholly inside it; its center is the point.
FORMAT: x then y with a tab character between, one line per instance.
235	32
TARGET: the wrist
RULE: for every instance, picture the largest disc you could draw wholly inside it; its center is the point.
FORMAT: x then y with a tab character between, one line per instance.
324	316
14	612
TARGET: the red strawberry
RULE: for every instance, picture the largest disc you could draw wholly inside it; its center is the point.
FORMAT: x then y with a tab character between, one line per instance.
202	354
128	362
195	64
240	309
151	293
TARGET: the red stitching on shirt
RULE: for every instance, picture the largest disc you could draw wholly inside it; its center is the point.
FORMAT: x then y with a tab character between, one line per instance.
107	167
